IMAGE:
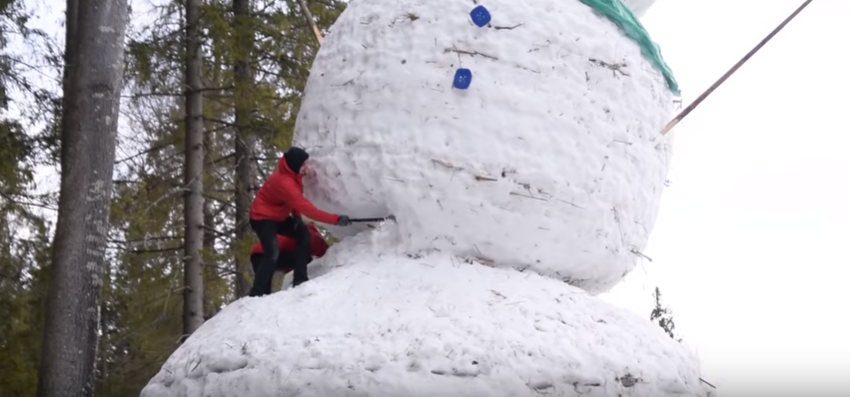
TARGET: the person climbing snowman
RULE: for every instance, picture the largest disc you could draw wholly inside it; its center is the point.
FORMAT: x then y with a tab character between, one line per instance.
277	210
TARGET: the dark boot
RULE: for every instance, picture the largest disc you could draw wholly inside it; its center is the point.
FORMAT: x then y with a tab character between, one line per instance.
255	292
299	281
256	262
302	255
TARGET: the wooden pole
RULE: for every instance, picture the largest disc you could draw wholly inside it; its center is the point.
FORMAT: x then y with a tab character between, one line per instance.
720	81
309	17
703	381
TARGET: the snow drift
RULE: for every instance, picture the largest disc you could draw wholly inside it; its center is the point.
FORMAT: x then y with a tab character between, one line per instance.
550	160
377	323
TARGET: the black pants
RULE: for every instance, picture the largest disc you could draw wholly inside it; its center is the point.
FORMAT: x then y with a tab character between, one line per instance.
267	232
284	262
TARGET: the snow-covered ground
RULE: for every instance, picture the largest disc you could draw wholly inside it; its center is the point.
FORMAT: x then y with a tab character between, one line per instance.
374	322
550	160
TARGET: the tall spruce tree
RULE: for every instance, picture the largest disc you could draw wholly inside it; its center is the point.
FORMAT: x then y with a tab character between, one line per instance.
193	207
91	88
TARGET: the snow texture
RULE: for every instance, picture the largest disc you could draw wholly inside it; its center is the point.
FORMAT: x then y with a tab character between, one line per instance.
551	160
376	323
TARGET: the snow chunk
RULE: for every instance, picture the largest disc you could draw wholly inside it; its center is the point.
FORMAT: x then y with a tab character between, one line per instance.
389	325
551	160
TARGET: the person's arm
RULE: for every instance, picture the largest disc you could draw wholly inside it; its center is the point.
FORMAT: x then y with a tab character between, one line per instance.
300	205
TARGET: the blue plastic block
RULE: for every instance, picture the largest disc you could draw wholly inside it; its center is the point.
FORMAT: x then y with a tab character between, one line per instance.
480	16
463	77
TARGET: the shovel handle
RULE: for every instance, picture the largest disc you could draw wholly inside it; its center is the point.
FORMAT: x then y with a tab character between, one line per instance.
366	220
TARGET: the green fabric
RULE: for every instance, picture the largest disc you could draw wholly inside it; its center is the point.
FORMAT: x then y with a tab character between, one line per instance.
618	13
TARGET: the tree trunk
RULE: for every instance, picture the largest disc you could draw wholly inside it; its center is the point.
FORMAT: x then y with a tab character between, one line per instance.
103	351
95	38
193	207
244	82
310	21
209	249
213	110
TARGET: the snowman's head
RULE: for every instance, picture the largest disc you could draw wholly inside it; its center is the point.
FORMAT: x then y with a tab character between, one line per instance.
639	7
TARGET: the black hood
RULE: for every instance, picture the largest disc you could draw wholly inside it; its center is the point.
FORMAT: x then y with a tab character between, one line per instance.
295	158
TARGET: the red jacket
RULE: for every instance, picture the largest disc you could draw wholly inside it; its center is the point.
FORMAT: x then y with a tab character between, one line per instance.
318	246
283	194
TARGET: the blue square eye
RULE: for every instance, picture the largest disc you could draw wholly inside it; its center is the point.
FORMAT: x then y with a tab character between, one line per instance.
463	77
480	16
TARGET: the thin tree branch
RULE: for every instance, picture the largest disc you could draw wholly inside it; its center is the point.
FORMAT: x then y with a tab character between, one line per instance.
155	250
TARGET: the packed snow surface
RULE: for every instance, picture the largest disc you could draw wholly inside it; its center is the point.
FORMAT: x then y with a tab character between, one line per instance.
550	161
376	323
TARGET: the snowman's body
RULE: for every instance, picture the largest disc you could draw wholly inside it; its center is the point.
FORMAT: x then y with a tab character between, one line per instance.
372	323
550	160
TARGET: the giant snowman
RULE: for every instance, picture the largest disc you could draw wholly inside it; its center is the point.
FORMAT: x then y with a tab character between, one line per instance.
516	143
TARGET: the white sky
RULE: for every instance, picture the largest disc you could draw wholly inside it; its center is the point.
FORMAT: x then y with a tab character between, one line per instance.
749	248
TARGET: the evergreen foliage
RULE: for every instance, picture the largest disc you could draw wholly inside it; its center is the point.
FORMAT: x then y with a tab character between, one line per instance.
141	309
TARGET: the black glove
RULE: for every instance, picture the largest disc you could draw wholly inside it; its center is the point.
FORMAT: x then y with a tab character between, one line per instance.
344	220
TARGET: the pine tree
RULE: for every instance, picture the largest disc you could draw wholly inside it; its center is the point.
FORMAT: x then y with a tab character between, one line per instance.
91	88
664	316
24	227
243	31
193	207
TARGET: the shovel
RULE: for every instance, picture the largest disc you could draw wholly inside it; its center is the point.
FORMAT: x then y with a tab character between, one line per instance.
369	220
